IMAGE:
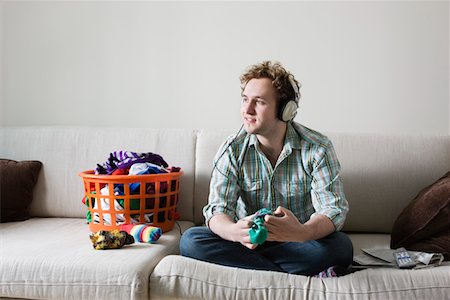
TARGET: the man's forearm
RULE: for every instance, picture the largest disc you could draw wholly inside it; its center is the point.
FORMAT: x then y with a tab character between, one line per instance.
221	224
318	227
224	226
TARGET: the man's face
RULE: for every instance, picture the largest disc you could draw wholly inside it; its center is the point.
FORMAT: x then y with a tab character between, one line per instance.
259	104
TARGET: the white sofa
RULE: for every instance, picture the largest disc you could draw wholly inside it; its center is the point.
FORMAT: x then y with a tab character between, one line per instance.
50	255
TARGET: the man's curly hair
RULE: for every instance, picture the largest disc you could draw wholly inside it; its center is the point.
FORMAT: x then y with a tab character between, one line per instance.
280	77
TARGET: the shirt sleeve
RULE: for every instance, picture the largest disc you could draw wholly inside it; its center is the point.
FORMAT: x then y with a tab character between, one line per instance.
327	190
224	190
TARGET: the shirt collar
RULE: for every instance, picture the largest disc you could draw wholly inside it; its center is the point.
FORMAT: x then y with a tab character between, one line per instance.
293	138
253	140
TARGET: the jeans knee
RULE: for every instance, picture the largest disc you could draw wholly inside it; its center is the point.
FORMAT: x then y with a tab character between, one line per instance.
345	246
186	242
191	240
347	242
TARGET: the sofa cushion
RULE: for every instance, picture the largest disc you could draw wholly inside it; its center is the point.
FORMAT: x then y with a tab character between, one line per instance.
178	277
381	173
53	258
66	151
17	181
424	224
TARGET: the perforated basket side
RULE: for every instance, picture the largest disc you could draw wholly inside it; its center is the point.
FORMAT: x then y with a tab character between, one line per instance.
155	204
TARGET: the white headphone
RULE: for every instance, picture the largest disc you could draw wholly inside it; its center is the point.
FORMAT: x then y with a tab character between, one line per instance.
288	111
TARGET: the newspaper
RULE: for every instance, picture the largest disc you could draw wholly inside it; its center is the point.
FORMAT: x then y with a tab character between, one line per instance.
385	258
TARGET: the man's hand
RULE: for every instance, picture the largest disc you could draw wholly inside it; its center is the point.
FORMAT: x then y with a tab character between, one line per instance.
283	226
223	226
242	228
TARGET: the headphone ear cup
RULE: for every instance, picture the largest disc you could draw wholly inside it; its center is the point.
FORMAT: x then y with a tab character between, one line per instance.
289	111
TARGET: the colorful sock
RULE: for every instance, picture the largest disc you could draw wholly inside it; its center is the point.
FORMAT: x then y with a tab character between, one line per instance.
143	233
330	272
114	239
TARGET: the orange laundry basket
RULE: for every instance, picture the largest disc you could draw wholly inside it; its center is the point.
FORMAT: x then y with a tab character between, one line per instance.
113	200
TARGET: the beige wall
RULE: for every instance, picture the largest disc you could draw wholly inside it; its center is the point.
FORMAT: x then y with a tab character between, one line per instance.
371	67
1	65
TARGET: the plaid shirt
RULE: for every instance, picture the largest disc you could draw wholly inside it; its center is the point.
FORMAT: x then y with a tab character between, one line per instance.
304	180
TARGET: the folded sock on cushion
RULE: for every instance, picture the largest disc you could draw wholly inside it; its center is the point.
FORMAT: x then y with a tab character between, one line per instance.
143	233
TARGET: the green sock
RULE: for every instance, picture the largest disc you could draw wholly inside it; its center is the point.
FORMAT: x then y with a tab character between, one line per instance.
258	232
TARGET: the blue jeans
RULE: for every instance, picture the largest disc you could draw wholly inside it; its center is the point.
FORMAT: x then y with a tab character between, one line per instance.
307	258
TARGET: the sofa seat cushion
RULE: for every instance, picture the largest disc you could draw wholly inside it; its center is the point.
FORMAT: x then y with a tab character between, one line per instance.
53	258
177	277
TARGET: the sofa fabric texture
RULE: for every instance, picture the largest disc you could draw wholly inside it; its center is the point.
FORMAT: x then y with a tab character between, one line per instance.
381	174
66	151
177	277
53	258
50	255
17	181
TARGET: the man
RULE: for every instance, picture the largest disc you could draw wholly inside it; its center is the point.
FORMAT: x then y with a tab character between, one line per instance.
281	165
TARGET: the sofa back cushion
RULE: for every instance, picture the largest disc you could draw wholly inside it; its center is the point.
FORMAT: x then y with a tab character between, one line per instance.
66	151
381	174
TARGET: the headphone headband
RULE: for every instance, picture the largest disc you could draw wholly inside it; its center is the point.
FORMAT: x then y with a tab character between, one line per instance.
295	88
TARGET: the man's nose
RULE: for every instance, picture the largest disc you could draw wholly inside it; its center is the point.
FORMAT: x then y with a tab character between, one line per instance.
249	107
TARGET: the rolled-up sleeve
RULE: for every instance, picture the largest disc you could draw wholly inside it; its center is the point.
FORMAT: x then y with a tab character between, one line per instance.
327	190
224	190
